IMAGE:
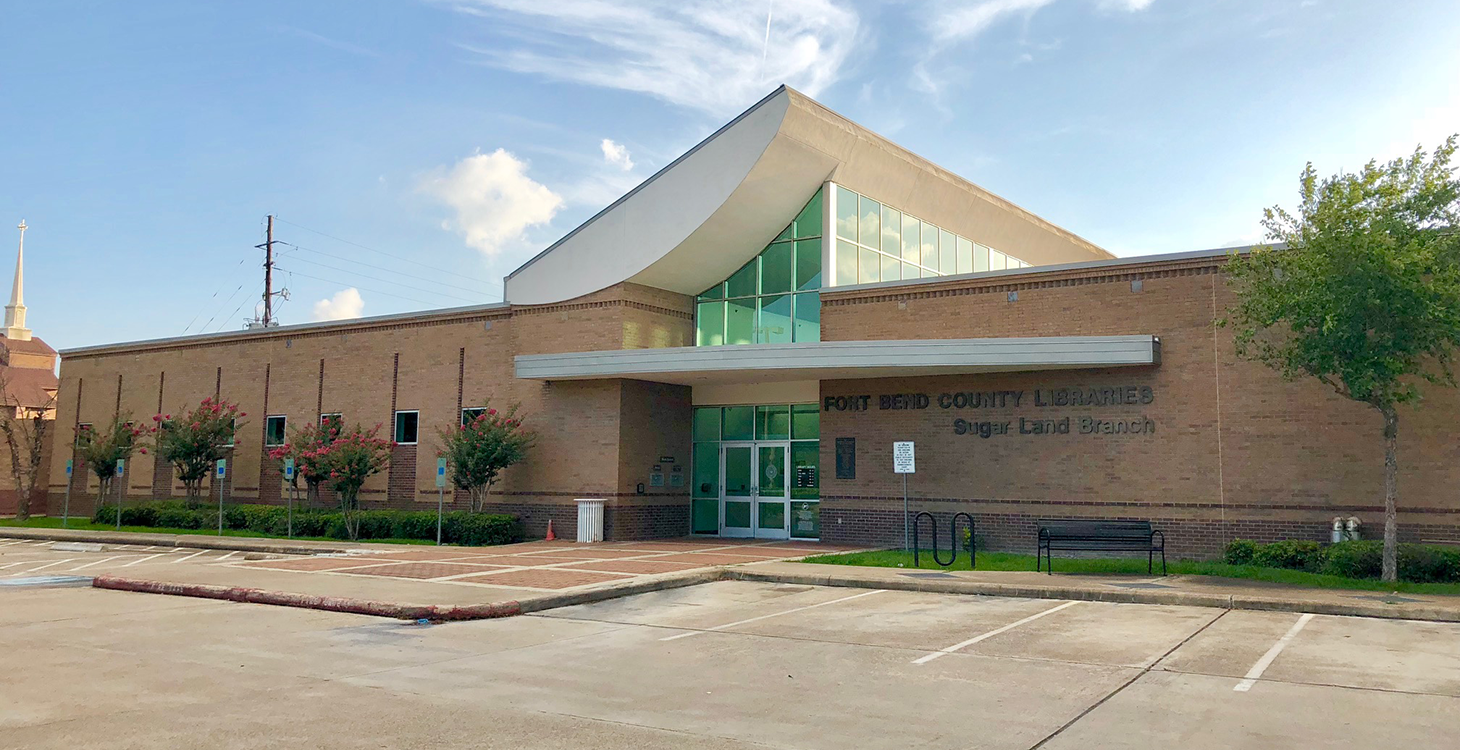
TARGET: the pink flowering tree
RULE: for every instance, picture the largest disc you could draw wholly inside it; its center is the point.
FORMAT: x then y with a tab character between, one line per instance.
194	440
307	446
101	449
350	458
478	451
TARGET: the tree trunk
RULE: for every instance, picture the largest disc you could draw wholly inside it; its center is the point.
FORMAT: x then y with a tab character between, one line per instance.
1390	572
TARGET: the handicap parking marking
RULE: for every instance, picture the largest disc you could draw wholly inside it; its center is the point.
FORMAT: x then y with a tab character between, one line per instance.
990	634
773	614
1255	673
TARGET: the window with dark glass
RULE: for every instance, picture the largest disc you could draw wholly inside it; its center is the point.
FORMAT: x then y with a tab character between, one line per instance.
407	424
274	428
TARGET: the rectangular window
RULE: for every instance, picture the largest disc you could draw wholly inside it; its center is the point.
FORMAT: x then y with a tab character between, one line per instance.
772	422
947	253
869	269
846	263
775	320
82	431
742	284
808	265
805	470
808	223
232	434
808	317
965	256
997	260
930	247
891	231
332	420
739	423
274	429
469	414
980	258
407	425
846	213
710	324
775	268
740	321
869	222
805	422
890	270
911	245
707	423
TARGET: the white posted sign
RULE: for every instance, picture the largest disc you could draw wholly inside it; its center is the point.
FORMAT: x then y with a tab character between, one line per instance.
902	458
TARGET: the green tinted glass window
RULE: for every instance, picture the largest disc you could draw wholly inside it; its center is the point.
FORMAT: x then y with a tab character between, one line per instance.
738	423
808	317
775	268
911	244
775	320
704	515
707	470
707	423
805	422
805	470
846	263
808	223
715	292
846	213
805	519
869	222
740	321
808	265
710	324
742	284
772	422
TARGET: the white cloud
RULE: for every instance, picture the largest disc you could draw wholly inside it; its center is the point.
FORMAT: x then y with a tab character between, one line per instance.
494	199
616	155
346	304
969	20
710	55
1130	6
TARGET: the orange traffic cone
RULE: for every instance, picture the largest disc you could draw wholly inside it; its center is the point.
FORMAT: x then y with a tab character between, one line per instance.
550	535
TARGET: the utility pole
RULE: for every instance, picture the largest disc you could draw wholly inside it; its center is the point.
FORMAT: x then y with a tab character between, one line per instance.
269	274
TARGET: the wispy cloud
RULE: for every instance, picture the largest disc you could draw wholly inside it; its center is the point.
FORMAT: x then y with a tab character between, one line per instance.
709	55
494	199
617	155
330	42
345	304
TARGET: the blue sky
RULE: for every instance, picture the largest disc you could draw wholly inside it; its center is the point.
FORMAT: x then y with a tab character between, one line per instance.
416	152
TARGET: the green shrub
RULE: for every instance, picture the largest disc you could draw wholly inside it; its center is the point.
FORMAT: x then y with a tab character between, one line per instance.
1426	564
1240	552
463	527
1360	559
1293	554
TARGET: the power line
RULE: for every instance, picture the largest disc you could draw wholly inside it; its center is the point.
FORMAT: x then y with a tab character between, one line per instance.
382	268
388	281
215	294
366	289
224	321
388	255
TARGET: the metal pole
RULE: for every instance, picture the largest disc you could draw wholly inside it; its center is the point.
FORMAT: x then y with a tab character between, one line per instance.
292	489
906	527
66	508
220	506
440	504
119	503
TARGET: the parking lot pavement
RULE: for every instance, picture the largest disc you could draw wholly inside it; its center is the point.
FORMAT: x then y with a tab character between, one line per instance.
724	665
25	558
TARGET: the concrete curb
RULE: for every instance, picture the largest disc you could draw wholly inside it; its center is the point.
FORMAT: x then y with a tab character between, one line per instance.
239	544
1073	593
434	612
437	612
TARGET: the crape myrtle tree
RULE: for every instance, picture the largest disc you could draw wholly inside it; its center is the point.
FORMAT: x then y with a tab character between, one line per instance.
194	440
1365	297
24	429
102	448
484	445
352	456
307	446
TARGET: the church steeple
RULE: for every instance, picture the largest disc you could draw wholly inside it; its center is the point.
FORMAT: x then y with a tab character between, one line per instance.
15	329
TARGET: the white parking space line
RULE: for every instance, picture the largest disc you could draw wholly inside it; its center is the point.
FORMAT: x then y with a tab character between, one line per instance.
17	541
143	559
11	565
965	644
1266	661
97	562
43	567
774	614
225	557
189	557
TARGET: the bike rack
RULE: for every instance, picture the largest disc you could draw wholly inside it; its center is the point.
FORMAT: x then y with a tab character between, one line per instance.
952	539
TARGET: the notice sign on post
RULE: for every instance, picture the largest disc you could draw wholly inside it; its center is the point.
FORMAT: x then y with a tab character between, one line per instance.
222	467
289	469
902	458
440	472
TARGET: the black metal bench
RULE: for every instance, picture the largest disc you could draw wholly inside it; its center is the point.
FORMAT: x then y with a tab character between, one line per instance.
1089	535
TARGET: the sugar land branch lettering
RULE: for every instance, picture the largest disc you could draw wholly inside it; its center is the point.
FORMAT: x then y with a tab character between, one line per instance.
1042	398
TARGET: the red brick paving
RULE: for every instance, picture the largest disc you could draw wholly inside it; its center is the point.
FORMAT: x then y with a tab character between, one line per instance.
595	554
421	570
528	560
313	563
544	579
640	567
426	555
708	558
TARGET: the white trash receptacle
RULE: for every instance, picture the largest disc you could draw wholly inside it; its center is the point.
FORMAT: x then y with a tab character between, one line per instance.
590	520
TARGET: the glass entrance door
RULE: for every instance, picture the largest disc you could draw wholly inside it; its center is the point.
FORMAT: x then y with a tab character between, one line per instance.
755	500
772	499
737	495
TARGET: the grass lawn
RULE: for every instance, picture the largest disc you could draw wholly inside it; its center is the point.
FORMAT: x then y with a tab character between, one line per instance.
1132	566
85	524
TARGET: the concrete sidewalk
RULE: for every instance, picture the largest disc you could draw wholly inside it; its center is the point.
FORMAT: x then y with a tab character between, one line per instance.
1196	591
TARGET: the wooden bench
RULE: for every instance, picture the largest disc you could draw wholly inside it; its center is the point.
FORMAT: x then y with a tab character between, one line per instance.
1090	535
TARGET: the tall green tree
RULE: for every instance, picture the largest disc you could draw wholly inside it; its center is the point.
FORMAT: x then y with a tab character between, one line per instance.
482	447
1365	294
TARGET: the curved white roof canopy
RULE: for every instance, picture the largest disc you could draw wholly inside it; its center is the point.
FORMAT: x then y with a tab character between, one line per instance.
704	215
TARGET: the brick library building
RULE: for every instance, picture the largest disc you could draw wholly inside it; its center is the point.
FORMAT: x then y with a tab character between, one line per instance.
732	348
